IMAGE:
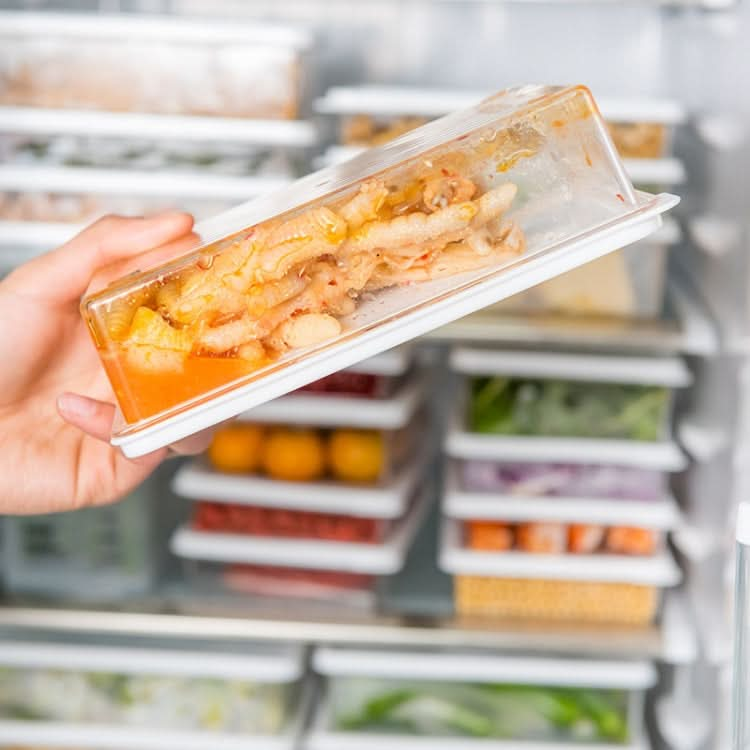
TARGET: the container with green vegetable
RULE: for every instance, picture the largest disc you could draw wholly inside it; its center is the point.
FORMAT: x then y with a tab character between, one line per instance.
475	695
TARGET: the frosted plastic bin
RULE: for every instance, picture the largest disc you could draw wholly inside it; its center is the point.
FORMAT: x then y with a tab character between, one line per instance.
453	217
151	64
629	283
328	568
185	694
559	407
99	554
617	589
460	699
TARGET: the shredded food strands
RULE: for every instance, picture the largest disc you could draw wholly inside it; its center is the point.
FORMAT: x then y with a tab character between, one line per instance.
285	284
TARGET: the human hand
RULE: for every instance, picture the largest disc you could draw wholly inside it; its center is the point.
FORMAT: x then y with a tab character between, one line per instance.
54	449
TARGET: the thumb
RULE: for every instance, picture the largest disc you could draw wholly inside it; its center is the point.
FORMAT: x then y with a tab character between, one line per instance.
63	275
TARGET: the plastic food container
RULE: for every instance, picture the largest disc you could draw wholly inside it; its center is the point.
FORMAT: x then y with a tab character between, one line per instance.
253	520
630	283
545	406
311	568
533	500
183	350
474	697
609	588
97	554
557	538
151	64
299	453
150	695
588	481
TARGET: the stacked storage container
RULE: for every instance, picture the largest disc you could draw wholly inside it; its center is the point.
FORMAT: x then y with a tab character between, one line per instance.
557	498
100	114
127	693
461	699
314	495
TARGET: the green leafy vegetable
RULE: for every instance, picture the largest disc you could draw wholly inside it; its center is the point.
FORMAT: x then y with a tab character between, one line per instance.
511	406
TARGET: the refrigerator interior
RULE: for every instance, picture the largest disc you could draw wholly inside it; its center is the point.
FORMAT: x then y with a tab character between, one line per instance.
392	586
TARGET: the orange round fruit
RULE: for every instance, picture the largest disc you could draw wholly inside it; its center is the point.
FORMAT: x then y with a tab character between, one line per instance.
236	448
294	455
356	455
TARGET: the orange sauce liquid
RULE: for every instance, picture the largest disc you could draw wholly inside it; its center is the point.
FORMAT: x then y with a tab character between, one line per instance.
143	394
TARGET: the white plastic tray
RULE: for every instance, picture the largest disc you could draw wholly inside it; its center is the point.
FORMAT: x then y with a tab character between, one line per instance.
54	734
161	27
198	481
670	372
459	442
351	557
267	664
662	514
332	410
659	569
177	184
432	102
396	317
321	737
54	122
664	172
481	666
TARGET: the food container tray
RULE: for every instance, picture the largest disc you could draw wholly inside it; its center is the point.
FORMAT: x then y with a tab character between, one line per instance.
350	457
347	557
68	694
644	442
630	283
456	699
264	588
657	512
197	480
561	204
334	410
95	554
151	64
258	521
659	569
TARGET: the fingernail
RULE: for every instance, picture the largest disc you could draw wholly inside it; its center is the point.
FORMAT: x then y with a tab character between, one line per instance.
75	406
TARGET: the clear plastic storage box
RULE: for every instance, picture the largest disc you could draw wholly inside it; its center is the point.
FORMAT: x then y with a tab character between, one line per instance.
190	694
351	261
557	407
100	554
151	64
458	699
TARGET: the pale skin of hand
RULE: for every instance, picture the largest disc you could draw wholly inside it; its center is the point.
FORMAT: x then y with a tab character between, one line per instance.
56	404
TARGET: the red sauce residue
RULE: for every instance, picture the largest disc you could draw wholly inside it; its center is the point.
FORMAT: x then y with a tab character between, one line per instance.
588	158
558	123
462	137
620	197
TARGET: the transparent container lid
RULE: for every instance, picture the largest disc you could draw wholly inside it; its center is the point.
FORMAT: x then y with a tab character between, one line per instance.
361	257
